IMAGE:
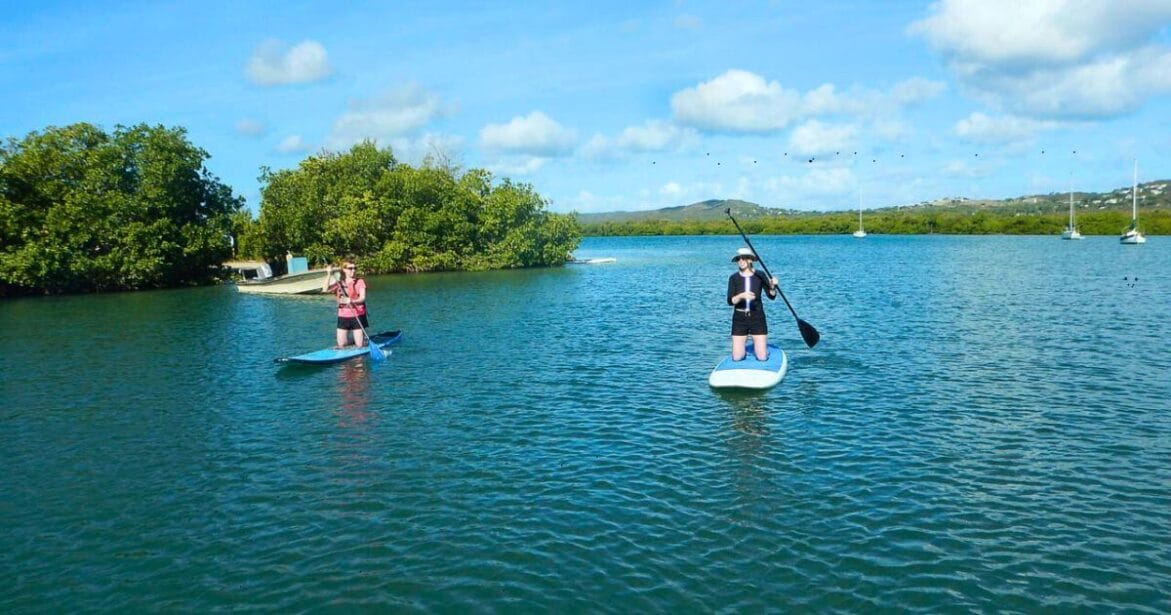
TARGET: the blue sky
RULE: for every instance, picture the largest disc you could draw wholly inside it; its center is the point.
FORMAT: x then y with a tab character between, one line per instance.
606	106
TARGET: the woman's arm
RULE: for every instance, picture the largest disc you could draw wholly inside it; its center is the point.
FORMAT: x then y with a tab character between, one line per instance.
769	285
325	286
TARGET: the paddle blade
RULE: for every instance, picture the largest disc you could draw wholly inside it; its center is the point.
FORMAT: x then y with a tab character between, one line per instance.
808	333
376	354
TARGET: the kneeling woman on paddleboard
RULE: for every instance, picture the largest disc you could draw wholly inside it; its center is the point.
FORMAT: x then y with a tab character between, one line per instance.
744	290
351	303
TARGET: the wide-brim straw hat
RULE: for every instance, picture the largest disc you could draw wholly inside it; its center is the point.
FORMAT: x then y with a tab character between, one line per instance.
742	252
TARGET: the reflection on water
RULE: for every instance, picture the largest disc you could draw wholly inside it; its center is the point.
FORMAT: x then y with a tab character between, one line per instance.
748	410
353	393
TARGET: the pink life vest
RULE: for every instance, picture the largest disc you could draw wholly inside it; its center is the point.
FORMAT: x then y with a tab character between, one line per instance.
352	288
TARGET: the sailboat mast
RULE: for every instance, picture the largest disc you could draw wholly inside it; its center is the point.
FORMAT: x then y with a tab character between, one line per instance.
1134	194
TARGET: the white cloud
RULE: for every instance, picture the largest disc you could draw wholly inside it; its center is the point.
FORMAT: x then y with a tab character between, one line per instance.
980	128
588	202
395	114
250	127
1107	87
824	100
1011	32
829	181
741	101
656	135
651	136
738	101
273	64
819	187
891	129
671	189
916	90
599	147
1054	58
816	138
535	134
415	150
516	165
683	192
292	144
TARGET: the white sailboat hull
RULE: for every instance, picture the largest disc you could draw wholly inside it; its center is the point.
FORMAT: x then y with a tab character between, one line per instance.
1132	238
1071	234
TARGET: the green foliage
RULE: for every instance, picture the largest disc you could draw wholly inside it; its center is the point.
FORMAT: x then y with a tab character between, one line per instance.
900	222
399	218
82	210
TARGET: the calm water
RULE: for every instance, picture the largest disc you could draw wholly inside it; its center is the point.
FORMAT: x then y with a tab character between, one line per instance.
986	425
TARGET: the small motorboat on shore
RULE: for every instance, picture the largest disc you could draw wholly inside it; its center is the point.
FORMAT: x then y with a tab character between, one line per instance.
257	277
303	283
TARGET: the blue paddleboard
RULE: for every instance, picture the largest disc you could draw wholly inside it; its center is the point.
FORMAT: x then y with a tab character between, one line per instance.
750	373
335	355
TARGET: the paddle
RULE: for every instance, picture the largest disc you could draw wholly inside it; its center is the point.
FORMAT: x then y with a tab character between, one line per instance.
808	333
376	353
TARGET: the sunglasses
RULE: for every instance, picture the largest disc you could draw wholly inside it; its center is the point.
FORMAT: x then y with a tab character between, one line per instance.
349	267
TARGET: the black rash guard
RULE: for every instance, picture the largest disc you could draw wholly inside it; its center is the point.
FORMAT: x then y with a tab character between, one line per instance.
755	283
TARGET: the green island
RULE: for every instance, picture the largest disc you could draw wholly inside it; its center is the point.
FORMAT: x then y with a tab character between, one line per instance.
1096	214
84	210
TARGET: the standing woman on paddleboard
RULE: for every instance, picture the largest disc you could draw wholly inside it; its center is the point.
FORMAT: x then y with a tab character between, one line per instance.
351	302
744	291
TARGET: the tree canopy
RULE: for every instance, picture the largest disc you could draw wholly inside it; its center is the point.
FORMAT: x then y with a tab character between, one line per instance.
83	210
400	218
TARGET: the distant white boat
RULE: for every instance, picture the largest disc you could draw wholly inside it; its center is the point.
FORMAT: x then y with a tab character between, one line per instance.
592	261
1132	236
860	233
1071	230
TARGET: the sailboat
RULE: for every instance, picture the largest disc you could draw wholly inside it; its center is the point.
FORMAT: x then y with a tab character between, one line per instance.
1132	237
860	232
1071	230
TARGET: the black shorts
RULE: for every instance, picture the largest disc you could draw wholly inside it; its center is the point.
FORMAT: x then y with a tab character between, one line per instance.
351	323
752	323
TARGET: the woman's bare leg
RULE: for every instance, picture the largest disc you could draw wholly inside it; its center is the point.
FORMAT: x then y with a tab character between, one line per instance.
738	342
760	347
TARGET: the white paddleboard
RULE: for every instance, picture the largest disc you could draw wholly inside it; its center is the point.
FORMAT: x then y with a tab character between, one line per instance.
750	373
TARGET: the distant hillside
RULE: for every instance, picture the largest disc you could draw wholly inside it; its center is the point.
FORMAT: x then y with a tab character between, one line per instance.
1152	196
1155	195
702	211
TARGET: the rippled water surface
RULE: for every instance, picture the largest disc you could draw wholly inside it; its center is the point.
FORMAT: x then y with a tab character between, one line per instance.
986	425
